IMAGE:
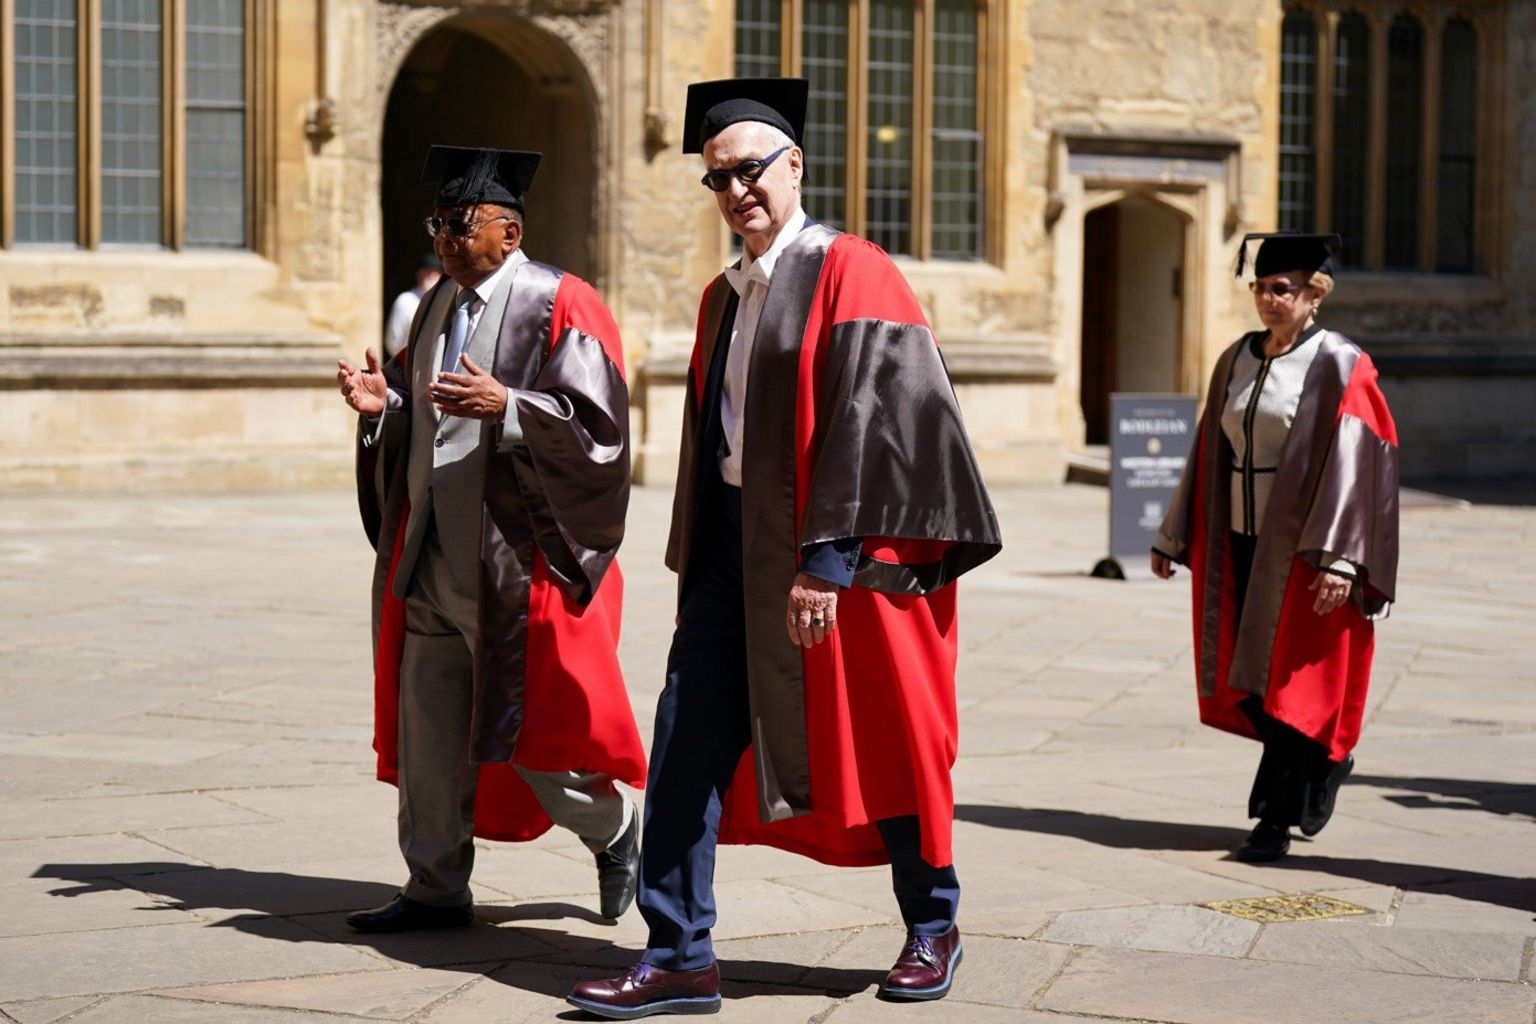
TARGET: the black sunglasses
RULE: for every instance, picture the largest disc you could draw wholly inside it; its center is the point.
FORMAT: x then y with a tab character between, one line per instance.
748	171
457	226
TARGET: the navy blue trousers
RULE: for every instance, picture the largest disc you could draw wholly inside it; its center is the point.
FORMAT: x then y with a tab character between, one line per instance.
702	729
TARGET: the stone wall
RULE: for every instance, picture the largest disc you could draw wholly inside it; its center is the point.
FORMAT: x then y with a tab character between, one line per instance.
114	366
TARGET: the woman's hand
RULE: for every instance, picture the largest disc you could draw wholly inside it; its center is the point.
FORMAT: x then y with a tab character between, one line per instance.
1332	591
1162	566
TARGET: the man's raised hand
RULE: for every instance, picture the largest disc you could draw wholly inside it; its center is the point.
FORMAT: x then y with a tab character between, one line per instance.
363	388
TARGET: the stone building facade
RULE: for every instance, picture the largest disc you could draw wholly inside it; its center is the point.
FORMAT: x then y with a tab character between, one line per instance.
204	202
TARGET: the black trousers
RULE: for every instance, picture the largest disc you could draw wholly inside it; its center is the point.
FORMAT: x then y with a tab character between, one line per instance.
1292	763
703	726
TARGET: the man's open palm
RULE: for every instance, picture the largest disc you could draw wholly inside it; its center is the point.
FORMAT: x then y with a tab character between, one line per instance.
363	388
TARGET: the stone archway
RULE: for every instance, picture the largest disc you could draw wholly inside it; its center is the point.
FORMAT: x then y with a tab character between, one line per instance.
491	78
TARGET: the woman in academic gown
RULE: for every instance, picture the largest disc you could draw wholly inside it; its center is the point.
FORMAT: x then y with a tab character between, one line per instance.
1287	519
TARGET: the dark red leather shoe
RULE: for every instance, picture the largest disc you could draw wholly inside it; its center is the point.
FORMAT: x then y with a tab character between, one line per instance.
926	967
646	990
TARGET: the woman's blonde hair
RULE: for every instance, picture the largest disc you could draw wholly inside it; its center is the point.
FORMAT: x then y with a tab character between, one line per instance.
1322	284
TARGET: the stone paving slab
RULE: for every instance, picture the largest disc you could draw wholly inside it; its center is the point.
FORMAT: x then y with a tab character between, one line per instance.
1167	929
177	749
378	995
131	959
1374	946
1218	990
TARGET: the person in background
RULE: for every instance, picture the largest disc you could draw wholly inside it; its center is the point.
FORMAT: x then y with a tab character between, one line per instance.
402	311
1287	519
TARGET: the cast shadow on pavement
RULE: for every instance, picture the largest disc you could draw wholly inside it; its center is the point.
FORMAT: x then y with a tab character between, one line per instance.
1503	798
1133	834
502	945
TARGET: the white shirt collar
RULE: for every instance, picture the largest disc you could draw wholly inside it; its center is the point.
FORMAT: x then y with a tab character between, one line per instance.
485	289
761	269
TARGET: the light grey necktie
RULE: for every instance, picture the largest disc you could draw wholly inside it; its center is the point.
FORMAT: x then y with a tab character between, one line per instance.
458	332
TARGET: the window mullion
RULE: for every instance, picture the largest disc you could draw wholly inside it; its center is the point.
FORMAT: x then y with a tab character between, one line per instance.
173	185
922	129
858	113
793	17
88	121
1376	158
1429	163
1322	137
7	123
260	201
1488	227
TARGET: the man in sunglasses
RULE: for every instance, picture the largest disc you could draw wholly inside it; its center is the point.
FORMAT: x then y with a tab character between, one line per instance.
493	475
827	499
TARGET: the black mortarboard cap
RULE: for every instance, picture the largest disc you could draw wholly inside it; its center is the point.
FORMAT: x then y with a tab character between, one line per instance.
467	174
1284	251
427	261
715	106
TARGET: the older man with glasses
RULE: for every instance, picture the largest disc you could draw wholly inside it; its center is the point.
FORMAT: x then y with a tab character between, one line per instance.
827	499
493	475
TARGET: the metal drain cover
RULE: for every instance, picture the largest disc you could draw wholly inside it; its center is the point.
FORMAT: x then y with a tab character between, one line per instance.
1296	906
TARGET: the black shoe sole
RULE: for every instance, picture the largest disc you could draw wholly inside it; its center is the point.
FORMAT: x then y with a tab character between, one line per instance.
1248	855
396	929
692	1005
920	995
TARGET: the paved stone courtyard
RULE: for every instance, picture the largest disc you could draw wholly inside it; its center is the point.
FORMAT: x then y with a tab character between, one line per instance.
187	809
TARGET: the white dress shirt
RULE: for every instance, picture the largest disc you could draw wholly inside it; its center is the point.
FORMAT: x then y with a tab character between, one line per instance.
750	282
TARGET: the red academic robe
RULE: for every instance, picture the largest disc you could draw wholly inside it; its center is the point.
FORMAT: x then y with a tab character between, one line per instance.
852	429
1335	496
549	693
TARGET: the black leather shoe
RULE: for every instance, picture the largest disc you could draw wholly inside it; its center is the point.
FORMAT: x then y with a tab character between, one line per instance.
1323	796
618	871
403	914
1267	842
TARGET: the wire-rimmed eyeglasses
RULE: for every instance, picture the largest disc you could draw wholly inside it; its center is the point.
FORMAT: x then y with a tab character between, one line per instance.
457	227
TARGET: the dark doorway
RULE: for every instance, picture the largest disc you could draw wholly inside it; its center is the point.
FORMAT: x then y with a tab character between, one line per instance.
1133	284
490	79
1101	262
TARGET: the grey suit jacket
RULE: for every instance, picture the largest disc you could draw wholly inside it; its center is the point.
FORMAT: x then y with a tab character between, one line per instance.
445	470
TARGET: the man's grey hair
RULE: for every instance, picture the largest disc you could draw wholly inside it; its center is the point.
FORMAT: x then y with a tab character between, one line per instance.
774	138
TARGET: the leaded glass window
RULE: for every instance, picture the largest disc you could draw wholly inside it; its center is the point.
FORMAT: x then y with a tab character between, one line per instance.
132	139
888	198
1298	75
165	148
1351	129
825	45
216	123
957	138
46	140
757	38
1457	177
904	163
1405	117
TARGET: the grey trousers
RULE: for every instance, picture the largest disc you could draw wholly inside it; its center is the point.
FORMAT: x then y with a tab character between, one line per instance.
437	781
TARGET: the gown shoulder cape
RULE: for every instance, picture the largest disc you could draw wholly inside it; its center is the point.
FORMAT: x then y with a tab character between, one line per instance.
1334	496
852	430
548	691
